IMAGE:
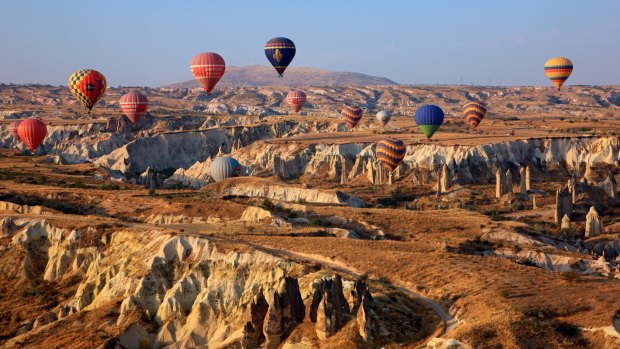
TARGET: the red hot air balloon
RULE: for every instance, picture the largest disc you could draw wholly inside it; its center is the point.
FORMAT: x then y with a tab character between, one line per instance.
208	68
134	105
32	132
351	116
13	128
296	99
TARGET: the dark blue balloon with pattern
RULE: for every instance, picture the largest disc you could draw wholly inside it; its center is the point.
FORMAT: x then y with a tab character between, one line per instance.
280	52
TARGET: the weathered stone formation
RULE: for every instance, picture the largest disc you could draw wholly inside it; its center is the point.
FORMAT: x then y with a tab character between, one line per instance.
272	326
534	202
149	179
366	318
390	177
445	180
508	182
563	204
594	224
572	188
500	187
344	178
610	187
370	172
380	173
528	178
283	313
329	308
255	317
522	178
565	227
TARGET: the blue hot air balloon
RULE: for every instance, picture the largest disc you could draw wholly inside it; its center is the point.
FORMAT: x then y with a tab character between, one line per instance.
428	118
225	167
280	52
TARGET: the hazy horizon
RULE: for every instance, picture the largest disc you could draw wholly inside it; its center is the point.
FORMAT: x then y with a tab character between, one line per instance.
450	43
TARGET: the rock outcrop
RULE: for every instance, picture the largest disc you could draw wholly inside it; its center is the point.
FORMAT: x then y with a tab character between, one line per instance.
594	224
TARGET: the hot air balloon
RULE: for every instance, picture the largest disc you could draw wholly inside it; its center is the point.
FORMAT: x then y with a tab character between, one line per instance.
428	118
13	128
87	86
390	153
296	99
280	52
384	117
32	132
225	167
134	105
208	68
474	112
558	69
351	116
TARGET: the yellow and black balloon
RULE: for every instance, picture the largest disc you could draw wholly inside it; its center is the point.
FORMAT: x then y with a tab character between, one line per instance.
87	85
558	69
474	112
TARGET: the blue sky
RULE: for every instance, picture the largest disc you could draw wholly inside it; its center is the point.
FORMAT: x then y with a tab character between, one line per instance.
151	42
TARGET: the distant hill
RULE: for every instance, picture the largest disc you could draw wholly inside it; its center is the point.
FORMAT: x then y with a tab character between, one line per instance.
259	75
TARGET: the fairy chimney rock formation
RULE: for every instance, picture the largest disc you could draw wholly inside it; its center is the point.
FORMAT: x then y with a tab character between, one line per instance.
366	318
528	183
563	204
610	187
445	179
522	184
499	184
255	318
565	227
329	307
272	326
594	224
508	182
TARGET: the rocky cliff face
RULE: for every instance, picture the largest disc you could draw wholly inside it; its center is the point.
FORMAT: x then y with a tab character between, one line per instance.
187	291
468	164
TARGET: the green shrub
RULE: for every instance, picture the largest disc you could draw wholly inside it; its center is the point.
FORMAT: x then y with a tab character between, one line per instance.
152	192
505	293
267	204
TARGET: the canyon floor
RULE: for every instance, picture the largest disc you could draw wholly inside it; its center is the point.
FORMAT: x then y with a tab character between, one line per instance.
114	235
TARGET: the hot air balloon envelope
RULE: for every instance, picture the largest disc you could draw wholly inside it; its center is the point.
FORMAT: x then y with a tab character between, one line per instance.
208	68
474	112
280	52
558	69
296	99
134	105
225	167
429	119
13	128
390	153
87	86
384	117
351	116
32	132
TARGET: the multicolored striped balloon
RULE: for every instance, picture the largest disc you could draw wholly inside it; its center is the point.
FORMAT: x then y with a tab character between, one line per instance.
558	69
351	116
429	119
134	105
384	117
280	52
32	132
208	68
87	86
390	153
296	99
474	112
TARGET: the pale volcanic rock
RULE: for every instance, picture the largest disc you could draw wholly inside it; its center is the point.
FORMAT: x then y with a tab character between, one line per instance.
263	188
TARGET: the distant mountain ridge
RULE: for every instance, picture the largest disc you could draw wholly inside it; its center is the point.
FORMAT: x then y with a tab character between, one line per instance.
259	75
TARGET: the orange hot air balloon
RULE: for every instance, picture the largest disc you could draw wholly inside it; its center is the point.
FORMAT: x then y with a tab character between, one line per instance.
208	68
558	69
296	99
32	132
134	105
87	86
474	112
351	116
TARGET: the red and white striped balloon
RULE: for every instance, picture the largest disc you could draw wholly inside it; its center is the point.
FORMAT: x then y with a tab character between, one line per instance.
296	99
134	105
208	68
